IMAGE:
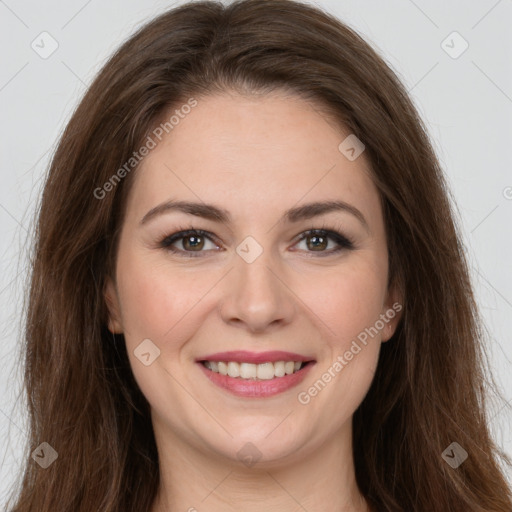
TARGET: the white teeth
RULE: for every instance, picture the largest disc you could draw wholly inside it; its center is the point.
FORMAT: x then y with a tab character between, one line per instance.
264	371
289	367
223	368
279	368
248	371
233	369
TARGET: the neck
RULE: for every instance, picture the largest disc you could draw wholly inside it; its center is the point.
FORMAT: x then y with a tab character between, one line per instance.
192	480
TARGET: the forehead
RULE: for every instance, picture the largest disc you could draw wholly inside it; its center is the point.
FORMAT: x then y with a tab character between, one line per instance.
253	154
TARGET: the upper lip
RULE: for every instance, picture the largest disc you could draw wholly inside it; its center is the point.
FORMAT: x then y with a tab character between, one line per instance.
244	356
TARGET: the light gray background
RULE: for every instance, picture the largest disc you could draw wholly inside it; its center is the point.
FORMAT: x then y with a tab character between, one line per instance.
465	101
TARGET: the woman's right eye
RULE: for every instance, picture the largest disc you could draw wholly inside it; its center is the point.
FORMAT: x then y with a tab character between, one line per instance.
192	241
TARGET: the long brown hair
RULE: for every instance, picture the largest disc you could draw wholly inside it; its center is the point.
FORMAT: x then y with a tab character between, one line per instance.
430	386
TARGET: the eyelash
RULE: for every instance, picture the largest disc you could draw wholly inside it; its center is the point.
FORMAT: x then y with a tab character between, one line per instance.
344	243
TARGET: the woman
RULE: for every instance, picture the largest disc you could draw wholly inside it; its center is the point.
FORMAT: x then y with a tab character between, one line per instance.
248	290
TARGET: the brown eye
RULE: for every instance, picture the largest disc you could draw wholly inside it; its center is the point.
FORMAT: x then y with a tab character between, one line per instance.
316	242
192	242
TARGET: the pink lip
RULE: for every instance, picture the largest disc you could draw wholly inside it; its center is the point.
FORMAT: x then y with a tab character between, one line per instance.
256	388
243	356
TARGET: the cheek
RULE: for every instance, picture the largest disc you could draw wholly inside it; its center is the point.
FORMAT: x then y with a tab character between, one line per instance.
158	306
153	302
348	299
147	311
349	303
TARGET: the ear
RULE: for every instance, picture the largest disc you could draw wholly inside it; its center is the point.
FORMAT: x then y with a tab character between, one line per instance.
392	312
115	325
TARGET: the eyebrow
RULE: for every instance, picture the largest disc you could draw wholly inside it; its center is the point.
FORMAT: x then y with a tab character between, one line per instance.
216	214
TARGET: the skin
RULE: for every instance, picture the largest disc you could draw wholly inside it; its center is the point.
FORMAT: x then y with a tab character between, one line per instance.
255	156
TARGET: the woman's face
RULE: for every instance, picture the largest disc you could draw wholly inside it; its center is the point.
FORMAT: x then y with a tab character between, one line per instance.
259	171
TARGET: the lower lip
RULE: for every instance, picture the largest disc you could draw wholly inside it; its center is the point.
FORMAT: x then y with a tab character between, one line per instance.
257	388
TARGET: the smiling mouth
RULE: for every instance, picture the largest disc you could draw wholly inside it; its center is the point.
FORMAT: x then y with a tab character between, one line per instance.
256	372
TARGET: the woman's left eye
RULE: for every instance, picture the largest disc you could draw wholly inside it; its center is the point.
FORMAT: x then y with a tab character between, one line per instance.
193	241
318	239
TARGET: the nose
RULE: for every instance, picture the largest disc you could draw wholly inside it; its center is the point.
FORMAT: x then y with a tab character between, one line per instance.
256	296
